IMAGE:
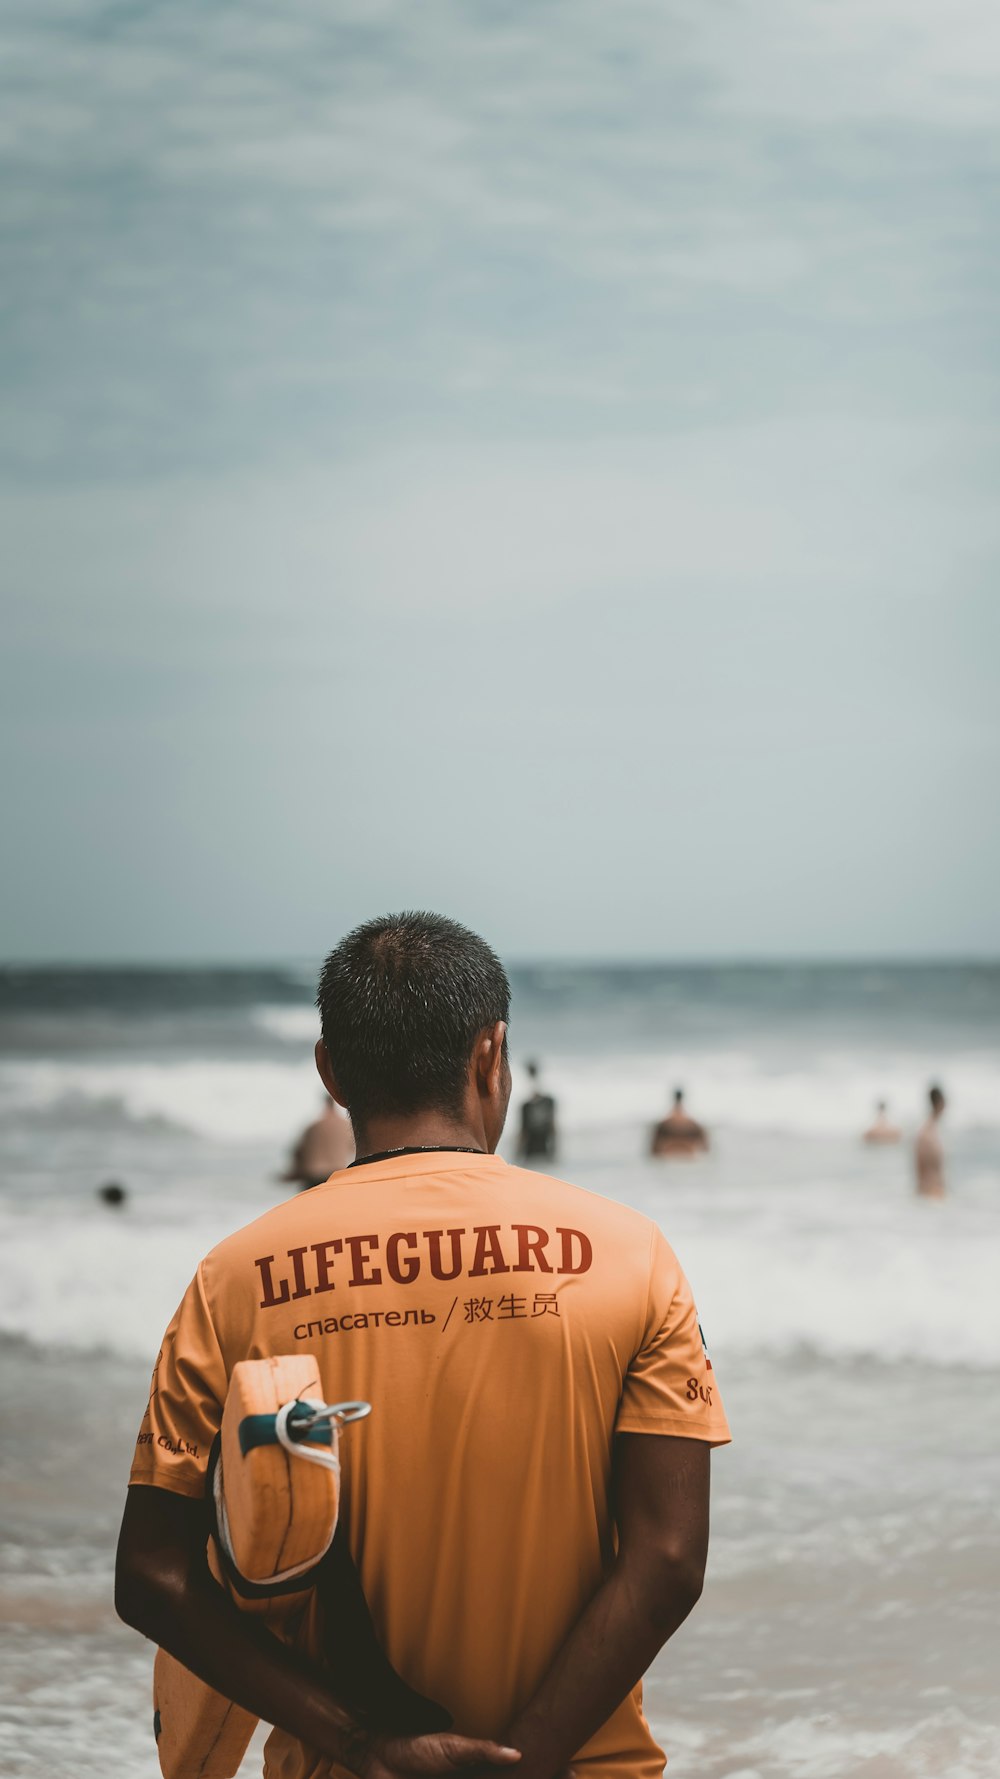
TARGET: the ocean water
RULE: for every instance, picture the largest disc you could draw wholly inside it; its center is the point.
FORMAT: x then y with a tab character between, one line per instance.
850	1623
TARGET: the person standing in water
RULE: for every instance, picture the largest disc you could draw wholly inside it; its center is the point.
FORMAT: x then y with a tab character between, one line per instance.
324	1146
929	1155
678	1134
882	1131
537	1136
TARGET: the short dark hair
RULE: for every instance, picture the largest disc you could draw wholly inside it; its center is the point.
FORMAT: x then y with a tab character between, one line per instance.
401	1001
936	1096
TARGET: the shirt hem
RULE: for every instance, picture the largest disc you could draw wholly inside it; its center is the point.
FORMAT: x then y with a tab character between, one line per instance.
175	1485
680	1427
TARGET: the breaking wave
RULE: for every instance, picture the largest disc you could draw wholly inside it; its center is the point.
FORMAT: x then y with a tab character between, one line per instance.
830	1094
823	1271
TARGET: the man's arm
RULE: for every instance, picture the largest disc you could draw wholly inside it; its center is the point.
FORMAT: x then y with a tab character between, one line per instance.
661	1508
165	1589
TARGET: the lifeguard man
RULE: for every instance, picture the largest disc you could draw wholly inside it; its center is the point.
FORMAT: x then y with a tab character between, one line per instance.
528	1508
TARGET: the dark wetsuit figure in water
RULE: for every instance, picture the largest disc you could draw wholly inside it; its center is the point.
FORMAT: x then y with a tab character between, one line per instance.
537	1136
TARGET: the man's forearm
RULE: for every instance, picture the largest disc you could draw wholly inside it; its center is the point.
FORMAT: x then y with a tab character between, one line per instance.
610	1647
235	1653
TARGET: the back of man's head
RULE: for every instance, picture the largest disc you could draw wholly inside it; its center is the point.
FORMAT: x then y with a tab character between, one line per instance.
936	1097
401	1002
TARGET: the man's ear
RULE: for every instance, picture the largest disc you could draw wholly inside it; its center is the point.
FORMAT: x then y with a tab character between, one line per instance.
325	1072
489	1059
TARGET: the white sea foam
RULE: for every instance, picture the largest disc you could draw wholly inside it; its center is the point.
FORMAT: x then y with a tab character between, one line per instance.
824	1747
296	1025
226	1100
88	1282
825	1093
841	1274
901	1280
794	1236
828	1094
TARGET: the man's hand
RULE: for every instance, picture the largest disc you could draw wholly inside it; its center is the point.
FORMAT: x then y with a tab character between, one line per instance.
661	1487
164	1588
440	1754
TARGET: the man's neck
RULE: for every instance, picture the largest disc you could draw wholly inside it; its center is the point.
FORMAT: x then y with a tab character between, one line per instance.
420	1130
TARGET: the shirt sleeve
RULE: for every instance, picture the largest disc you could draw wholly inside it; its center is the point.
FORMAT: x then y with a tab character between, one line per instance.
670	1386
186	1398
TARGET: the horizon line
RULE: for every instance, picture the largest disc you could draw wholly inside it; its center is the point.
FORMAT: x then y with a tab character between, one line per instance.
604	961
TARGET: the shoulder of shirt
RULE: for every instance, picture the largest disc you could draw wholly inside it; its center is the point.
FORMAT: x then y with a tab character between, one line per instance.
271	1224
633	1224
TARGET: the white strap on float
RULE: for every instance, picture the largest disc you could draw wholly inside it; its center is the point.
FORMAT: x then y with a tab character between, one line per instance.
335	1413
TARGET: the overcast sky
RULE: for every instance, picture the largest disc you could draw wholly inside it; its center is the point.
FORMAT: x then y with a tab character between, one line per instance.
535	462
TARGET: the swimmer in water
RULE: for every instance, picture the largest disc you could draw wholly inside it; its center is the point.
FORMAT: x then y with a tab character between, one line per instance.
928	1154
678	1135
323	1147
537	1135
882	1131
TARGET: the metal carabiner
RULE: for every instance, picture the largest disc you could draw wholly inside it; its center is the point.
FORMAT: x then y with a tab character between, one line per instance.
343	1412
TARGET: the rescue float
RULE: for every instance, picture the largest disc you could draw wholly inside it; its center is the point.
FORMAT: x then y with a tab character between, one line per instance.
273	1486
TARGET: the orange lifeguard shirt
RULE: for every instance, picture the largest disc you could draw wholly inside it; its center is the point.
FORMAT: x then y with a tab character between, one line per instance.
504	1325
